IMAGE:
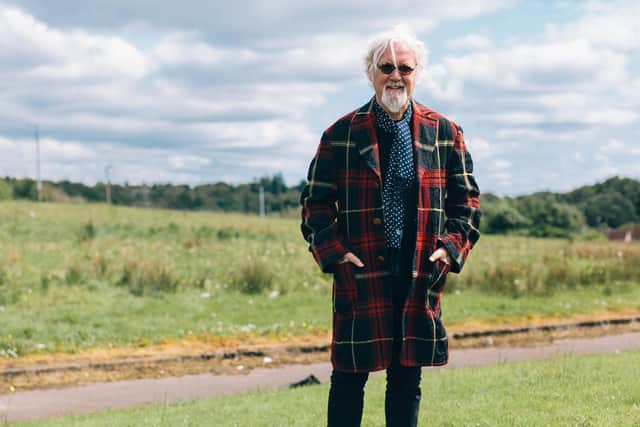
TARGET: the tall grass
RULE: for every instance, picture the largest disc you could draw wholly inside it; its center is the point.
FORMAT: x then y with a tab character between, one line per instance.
92	262
159	251
519	266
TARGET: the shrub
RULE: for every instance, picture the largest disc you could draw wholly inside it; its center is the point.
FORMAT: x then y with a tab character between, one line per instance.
100	265
73	274
226	233
254	278
87	232
147	275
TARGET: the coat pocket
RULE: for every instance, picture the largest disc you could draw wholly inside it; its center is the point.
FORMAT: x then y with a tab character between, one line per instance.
344	289
437	275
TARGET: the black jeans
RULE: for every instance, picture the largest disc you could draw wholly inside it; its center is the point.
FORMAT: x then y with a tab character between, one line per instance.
402	399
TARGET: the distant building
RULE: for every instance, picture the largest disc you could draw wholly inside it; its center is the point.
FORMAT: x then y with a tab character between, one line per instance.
624	235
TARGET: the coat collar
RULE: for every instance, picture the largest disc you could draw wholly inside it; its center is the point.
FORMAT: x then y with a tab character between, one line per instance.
362	131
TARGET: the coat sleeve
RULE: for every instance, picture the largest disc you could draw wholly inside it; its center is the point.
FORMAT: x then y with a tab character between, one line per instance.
462	205
319	209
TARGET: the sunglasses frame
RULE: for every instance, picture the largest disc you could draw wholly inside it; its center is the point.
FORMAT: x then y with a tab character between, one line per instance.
388	68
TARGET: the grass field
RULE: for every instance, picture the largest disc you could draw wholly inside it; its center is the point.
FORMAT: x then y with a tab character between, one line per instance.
572	391
86	275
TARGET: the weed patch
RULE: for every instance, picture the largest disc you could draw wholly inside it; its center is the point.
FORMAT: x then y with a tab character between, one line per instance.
146	276
254	278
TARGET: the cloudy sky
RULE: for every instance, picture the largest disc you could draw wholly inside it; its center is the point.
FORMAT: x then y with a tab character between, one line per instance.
548	93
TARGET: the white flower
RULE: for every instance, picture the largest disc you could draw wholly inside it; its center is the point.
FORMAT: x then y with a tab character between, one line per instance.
274	294
267	360
205	295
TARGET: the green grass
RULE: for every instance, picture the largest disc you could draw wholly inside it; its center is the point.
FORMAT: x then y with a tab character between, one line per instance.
82	276
570	391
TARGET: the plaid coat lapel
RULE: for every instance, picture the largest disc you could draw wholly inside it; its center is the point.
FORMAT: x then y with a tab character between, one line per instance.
362	133
425	131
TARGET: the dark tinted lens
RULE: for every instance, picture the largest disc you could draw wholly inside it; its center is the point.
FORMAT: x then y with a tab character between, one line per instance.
387	68
405	69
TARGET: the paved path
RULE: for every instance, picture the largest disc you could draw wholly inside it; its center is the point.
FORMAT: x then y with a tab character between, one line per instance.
56	402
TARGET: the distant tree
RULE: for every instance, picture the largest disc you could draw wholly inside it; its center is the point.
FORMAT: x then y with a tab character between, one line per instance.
550	217
611	209
629	188
25	189
502	217
278	185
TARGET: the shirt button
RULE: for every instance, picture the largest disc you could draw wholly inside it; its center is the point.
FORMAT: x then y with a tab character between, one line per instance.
377	221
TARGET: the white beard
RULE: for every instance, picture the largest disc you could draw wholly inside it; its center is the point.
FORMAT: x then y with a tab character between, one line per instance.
394	103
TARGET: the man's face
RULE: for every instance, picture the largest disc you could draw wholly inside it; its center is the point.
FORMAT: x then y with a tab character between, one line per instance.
394	90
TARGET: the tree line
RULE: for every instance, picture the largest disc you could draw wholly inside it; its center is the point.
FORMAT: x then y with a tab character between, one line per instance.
613	203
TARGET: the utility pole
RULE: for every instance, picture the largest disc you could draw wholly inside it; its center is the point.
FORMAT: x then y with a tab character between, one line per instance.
261	200
38	180
107	170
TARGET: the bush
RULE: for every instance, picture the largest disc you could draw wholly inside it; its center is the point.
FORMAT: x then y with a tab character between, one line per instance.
147	275
226	233
88	232
73	274
254	278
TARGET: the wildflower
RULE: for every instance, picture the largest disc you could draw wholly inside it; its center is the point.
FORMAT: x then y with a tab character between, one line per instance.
40	346
267	360
274	294
205	295
12	388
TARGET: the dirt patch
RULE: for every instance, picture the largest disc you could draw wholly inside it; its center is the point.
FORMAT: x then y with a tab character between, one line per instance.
195	357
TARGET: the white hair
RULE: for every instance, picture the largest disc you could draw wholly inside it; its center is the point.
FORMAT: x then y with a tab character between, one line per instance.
398	35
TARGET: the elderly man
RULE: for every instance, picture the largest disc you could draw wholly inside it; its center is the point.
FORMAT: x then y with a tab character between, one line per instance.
390	207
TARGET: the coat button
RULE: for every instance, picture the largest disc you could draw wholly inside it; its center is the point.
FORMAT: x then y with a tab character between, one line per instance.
380	258
377	221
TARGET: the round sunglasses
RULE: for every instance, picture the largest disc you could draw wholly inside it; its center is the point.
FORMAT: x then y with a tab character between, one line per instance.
388	68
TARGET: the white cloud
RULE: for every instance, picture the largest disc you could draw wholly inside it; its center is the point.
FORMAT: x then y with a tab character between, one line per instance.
55	54
179	162
470	41
611	24
184	48
480	148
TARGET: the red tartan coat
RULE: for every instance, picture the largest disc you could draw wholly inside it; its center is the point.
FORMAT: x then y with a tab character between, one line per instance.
342	211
